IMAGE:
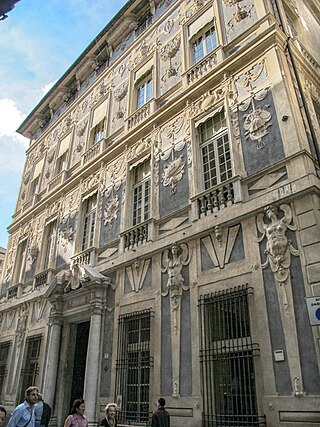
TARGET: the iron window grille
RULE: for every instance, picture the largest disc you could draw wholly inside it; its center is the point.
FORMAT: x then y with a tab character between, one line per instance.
133	367
31	365
227	359
215	151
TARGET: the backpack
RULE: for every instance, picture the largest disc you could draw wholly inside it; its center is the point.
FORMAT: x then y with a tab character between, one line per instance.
46	414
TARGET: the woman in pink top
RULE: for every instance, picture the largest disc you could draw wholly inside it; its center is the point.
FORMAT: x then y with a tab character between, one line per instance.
77	417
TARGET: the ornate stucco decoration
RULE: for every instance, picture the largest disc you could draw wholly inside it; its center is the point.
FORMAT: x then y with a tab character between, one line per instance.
22	323
189	8
90	183
137	273
168	26
111	211
173	171
220	243
141	147
173	260
257	121
278	248
80	130
114	175
248	81
241	12
67	230
167	53
102	90
119	95
207	102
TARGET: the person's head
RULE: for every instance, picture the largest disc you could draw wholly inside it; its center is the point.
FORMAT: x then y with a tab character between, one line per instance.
3	414
31	395
161	401
78	407
111	410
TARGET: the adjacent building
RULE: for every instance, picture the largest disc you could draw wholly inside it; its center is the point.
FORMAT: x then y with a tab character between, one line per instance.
166	237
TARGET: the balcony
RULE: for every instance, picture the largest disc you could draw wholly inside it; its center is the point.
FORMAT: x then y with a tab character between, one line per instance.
139	116
87	257
202	67
137	235
12	292
57	180
43	278
217	198
92	152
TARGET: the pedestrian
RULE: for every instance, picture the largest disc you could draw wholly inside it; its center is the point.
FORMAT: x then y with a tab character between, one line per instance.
3	414
23	414
161	417
77	417
110	418
42	412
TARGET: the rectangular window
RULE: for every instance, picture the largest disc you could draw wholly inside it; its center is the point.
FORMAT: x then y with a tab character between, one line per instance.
141	192
98	132
226	359
20	263
204	43
31	364
133	366
61	163
50	245
144	92
215	151
4	352
34	186
90	209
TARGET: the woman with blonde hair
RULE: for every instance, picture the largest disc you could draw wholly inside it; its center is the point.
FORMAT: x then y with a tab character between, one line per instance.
110	419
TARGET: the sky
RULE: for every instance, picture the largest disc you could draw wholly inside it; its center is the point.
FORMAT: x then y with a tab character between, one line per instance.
39	41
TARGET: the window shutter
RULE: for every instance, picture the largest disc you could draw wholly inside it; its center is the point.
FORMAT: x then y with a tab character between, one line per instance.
201	22
99	114
38	169
64	145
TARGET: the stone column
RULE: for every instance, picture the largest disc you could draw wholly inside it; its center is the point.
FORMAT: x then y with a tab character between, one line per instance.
93	365
52	355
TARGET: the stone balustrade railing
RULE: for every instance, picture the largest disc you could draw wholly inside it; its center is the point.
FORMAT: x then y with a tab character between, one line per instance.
139	116
92	152
218	197
202	67
137	235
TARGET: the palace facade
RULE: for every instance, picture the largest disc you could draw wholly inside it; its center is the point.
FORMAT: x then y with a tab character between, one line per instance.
166	237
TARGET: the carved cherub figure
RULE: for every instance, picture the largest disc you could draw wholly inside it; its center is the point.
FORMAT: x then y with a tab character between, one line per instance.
173	262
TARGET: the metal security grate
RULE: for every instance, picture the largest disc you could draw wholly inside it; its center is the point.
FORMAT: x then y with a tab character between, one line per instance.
133	367
226	359
30	370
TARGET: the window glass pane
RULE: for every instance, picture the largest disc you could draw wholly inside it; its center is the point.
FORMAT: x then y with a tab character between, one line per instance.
141	192
89	222
211	40
198	50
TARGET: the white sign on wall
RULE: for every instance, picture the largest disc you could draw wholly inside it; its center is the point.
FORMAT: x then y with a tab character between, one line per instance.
313	304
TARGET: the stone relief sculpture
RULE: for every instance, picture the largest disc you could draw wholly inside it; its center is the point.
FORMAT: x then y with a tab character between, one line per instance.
174	170
67	230
22	323
113	179
278	248
167	53
137	273
80	130
241	12
119	95
257	121
173	261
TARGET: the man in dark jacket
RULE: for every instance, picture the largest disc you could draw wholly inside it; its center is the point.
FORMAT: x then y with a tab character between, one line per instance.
161	417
